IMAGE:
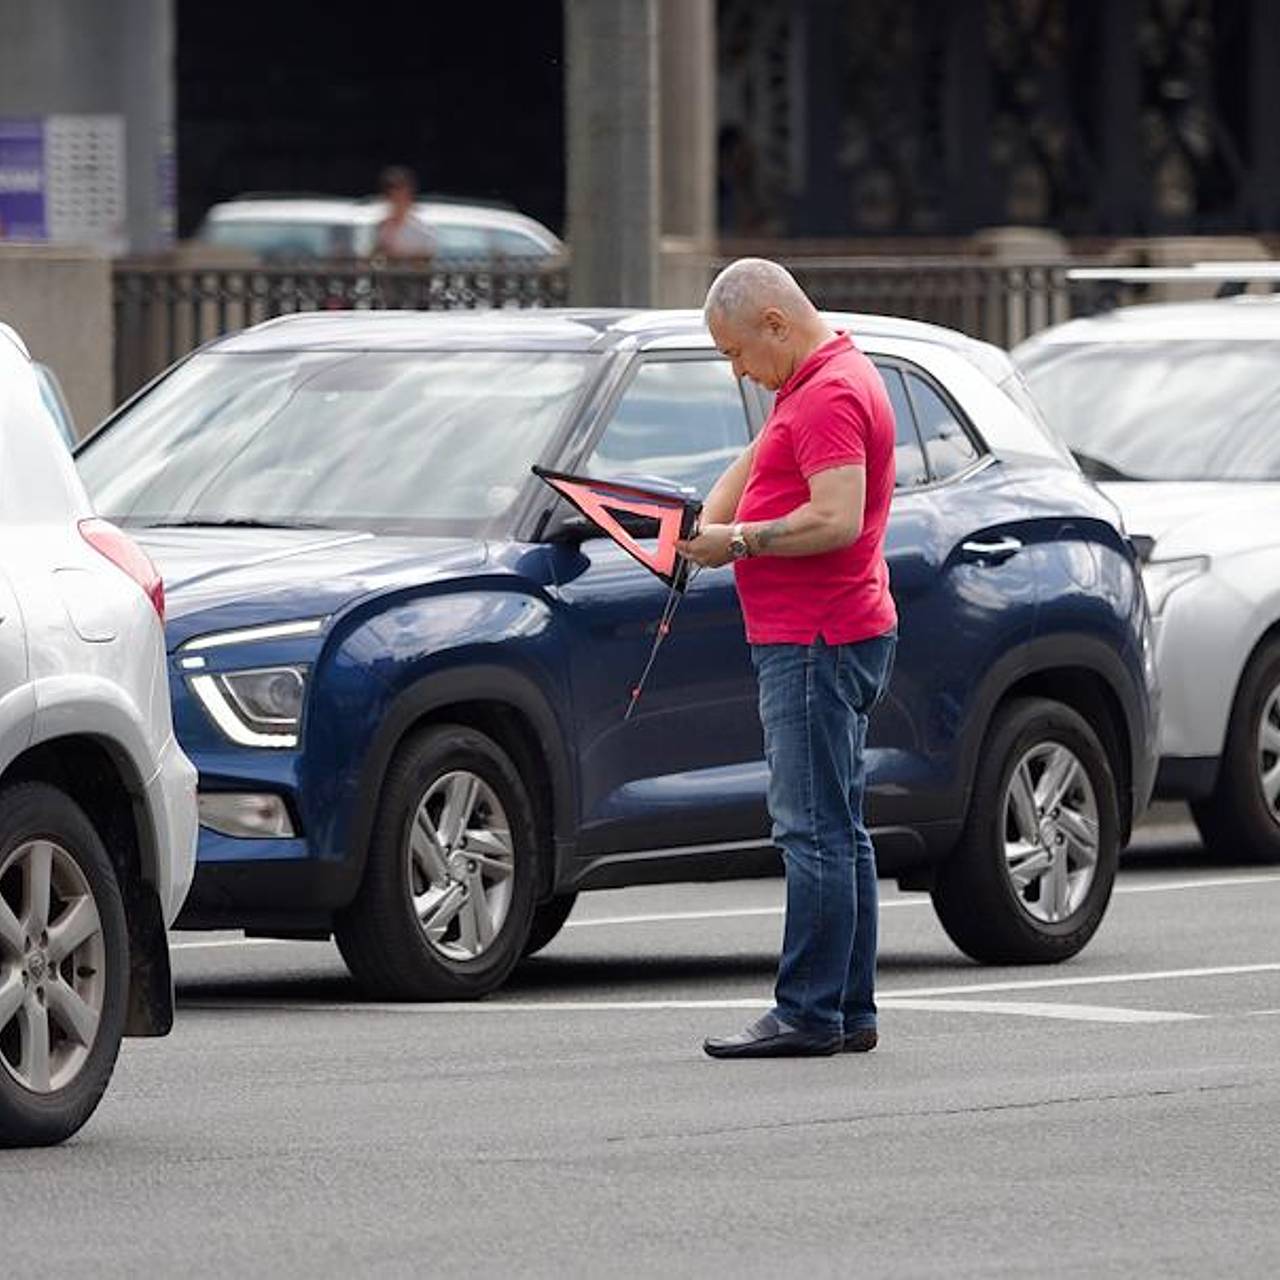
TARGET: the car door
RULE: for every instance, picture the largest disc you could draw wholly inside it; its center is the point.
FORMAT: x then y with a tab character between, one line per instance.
960	546
686	768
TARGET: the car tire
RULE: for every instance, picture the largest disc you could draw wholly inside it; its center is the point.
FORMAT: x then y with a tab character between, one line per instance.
988	895
1239	822
548	920
58	1047
447	900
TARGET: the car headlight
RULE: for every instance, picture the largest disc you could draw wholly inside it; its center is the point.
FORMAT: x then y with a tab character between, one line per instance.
256	708
1163	577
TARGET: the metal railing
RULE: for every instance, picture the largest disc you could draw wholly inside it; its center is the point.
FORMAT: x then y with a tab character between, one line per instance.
996	301
163	311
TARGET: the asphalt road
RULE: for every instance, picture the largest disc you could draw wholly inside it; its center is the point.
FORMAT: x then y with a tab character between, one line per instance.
1115	1116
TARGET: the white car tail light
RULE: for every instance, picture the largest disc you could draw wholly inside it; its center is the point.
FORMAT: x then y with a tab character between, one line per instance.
126	555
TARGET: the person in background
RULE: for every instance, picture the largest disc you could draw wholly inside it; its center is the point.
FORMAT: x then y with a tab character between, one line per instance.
402	234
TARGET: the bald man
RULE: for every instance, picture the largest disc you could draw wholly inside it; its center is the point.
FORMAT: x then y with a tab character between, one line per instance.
801	515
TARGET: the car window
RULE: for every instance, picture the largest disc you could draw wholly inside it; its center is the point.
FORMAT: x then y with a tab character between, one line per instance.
275	239
515	244
679	420
908	456
946	443
456	240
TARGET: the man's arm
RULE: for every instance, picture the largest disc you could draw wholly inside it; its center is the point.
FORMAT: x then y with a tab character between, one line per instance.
726	493
832	518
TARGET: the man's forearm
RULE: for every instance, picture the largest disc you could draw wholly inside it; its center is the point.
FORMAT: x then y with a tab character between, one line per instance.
806	531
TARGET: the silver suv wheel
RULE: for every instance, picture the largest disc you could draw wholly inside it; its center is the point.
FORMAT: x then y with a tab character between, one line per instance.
461	864
1051	832
52	967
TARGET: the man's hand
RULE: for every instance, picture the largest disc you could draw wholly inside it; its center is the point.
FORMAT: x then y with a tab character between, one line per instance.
710	548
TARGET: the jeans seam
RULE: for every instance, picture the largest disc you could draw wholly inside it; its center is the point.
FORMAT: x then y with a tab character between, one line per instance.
810	803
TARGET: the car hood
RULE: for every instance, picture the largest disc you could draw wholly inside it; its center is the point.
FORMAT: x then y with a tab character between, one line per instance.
1199	517
219	579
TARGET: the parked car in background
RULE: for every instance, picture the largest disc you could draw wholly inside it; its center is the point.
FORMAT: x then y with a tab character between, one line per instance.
1172	408
293	228
401	663
97	800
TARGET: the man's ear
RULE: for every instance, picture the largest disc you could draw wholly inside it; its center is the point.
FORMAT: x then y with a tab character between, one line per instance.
775	322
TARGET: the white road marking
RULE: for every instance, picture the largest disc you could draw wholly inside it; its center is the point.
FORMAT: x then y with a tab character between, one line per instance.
1094	980
1017	1008
736	913
1039	1009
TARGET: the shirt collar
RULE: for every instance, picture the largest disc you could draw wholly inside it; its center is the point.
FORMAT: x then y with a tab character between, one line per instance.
814	361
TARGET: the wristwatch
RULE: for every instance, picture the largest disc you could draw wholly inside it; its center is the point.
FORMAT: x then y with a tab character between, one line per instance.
738	548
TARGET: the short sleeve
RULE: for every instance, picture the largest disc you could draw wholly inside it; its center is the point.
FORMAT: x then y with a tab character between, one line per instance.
831	430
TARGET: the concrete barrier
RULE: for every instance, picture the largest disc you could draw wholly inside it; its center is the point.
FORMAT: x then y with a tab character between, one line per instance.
59	300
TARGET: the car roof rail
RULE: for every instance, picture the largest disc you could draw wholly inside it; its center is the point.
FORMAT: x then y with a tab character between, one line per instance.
284	195
1232	278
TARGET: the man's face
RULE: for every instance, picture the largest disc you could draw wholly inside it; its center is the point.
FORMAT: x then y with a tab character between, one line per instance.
758	349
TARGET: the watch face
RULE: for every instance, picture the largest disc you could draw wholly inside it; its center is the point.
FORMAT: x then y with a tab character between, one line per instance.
737	547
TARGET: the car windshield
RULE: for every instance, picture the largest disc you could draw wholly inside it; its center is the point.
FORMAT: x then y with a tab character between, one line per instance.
419	442
1169	410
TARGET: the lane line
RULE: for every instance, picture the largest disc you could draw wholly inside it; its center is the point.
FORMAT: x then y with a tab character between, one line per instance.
743	913
1094	980
1014	1008
1040	1009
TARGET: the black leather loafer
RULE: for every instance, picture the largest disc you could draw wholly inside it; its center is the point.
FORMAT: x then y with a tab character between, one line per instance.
770	1037
863	1040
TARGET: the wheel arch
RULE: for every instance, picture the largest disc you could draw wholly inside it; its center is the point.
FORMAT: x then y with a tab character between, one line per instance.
101	778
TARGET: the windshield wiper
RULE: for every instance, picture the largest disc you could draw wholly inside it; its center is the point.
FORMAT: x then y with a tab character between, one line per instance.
235	523
1096	469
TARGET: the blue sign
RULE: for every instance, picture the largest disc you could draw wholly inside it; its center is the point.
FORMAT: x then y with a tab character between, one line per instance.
22	180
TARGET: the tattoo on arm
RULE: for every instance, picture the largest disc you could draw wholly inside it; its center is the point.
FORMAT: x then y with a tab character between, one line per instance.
766	533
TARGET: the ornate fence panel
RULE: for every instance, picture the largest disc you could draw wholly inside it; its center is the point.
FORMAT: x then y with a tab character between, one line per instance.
999	302
163	311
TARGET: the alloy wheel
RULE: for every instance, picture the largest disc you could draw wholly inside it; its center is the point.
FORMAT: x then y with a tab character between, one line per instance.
52	967
461	865
1268	757
1051	832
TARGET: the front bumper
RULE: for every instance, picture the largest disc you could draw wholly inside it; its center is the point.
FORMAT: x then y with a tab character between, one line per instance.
265	885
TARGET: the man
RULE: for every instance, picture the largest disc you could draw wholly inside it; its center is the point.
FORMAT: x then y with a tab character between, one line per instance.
402	234
802	515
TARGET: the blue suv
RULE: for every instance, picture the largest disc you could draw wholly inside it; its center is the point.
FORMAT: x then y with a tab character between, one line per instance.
401	663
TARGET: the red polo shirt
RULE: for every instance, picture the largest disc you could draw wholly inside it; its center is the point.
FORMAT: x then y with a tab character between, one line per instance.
832	412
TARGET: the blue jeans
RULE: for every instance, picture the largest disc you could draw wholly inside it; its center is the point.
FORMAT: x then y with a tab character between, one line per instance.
814	703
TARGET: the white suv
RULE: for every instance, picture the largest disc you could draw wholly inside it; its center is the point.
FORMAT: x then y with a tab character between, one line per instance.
97	801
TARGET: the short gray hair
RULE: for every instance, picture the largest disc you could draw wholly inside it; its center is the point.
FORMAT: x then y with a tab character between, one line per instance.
751	284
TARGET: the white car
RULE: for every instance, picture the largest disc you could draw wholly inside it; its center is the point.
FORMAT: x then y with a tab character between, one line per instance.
1174	409
303	227
97	801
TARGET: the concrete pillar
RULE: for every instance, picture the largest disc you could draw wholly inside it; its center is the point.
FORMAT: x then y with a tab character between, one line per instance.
687	128
102	57
611	108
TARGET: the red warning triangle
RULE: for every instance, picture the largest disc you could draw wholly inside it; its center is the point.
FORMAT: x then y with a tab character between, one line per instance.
675	514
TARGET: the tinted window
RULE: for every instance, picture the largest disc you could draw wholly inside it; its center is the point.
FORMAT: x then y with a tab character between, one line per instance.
681	421
427	441
908	458
284	239
946	445
456	240
515	244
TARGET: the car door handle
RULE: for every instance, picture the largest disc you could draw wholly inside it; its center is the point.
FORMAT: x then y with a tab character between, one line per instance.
991	552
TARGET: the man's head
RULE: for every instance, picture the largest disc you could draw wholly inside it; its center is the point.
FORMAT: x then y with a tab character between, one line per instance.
399	186
762	320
